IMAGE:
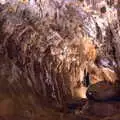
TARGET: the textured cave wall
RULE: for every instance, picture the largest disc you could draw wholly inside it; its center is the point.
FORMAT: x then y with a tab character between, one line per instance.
43	57
107	27
44	51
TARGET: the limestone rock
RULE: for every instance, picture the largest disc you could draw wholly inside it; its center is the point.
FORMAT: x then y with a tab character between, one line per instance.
80	92
102	69
109	75
103	91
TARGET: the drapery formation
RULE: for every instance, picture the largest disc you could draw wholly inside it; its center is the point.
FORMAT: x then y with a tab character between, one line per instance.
45	49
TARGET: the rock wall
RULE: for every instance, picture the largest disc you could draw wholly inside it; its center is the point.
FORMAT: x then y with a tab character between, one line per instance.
44	57
46	51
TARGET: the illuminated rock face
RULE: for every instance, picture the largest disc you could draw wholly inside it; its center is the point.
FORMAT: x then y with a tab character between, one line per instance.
46	57
80	92
47	53
101	73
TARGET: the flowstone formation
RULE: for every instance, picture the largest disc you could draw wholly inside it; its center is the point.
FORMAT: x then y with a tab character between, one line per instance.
48	55
51	52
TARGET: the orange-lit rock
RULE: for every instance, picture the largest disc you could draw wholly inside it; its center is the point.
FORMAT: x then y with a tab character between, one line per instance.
89	50
24	1
80	92
96	74
109	75
101	73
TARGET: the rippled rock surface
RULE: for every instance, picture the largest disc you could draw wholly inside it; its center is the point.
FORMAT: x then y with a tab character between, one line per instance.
46	48
44	56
